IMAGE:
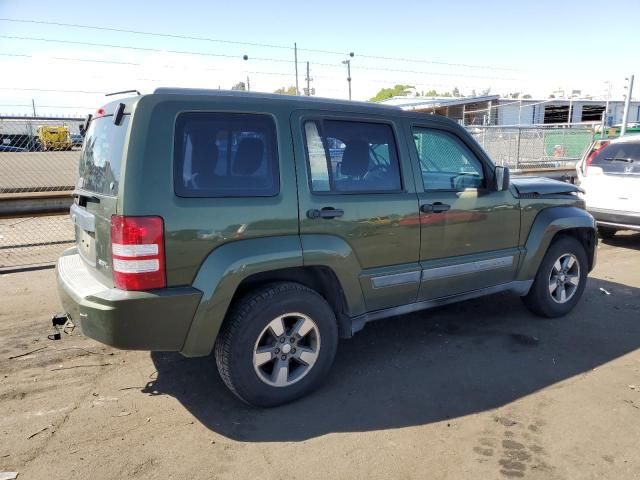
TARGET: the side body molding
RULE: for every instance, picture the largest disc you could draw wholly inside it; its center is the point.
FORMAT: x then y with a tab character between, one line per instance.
546	224
221	273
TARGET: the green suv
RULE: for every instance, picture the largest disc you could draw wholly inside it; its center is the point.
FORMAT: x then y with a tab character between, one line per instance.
265	227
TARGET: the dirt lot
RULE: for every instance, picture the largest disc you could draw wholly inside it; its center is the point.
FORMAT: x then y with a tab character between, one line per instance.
477	390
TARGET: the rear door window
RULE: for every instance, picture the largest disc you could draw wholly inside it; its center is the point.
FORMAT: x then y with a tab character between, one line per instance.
225	155
619	158
352	157
101	156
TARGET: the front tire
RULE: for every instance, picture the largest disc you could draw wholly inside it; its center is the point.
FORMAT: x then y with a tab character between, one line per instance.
277	344
560	280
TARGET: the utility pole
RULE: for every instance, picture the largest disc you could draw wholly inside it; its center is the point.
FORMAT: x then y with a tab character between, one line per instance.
348	64
33	104
308	79
570	110
246	59
295	58
627	102
605	114
520	110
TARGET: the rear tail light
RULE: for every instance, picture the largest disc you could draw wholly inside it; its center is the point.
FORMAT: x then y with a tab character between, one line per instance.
137	248
592	155
595	152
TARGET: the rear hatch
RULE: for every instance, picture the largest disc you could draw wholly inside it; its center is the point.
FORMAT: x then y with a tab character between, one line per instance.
96	193
612	177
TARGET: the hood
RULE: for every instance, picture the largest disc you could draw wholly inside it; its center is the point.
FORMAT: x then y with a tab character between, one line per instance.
541	186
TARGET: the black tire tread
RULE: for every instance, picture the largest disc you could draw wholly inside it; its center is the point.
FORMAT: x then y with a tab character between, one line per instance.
238	315
536	300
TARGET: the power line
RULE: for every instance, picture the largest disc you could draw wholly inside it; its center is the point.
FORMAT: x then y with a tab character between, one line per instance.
91	60
187	52
2	54
144	49
49	90
253	44
47	106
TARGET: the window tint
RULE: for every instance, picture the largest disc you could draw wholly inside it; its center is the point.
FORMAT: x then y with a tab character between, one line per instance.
623	158
225	155
351	157
446	163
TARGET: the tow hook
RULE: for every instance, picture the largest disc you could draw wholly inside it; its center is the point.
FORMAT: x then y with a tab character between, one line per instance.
61	321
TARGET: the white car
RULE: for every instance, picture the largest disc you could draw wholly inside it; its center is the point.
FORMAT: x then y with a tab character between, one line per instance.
609	173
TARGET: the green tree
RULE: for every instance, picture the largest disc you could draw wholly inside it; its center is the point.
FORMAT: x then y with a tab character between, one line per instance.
396	91
526	96
434	93
291	90
239	86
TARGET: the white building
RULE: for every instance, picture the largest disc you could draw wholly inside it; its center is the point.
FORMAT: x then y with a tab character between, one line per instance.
493	110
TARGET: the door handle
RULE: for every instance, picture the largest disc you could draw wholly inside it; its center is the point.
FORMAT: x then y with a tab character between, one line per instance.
326	212
437	207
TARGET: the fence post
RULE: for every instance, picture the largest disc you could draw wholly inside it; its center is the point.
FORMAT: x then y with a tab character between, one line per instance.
518	147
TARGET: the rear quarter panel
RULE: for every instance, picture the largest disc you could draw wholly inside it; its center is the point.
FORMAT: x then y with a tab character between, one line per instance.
194	227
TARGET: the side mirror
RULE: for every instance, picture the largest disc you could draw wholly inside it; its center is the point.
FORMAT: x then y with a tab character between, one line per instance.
502	178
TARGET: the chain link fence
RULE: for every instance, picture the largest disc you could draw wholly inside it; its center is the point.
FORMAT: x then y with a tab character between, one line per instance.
29	241
38	163
538	147
39	158
38	154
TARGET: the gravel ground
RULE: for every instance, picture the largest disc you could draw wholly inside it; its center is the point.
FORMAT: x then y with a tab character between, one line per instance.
480	390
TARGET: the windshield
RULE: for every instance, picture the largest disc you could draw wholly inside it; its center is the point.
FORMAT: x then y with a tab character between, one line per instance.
102	154
619	158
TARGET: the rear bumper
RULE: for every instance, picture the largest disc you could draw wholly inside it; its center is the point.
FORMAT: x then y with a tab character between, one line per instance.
149	320
616	219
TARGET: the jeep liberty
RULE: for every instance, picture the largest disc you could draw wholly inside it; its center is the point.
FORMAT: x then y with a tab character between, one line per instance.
263	228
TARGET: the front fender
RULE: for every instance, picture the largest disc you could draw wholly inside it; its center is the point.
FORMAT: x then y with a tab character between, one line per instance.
221	273
546	225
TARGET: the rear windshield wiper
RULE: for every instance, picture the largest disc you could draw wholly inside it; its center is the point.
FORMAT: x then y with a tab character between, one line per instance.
617	159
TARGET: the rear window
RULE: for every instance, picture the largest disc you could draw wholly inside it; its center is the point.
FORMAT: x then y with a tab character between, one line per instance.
225	155
101	155
619	158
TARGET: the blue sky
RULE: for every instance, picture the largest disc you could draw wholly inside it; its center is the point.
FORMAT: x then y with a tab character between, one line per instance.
533	47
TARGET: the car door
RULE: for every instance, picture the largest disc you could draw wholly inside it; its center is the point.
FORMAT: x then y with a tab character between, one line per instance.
356	191
469	230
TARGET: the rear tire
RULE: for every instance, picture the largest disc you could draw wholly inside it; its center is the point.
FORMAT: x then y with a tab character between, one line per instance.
560	280
607	232
277	344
